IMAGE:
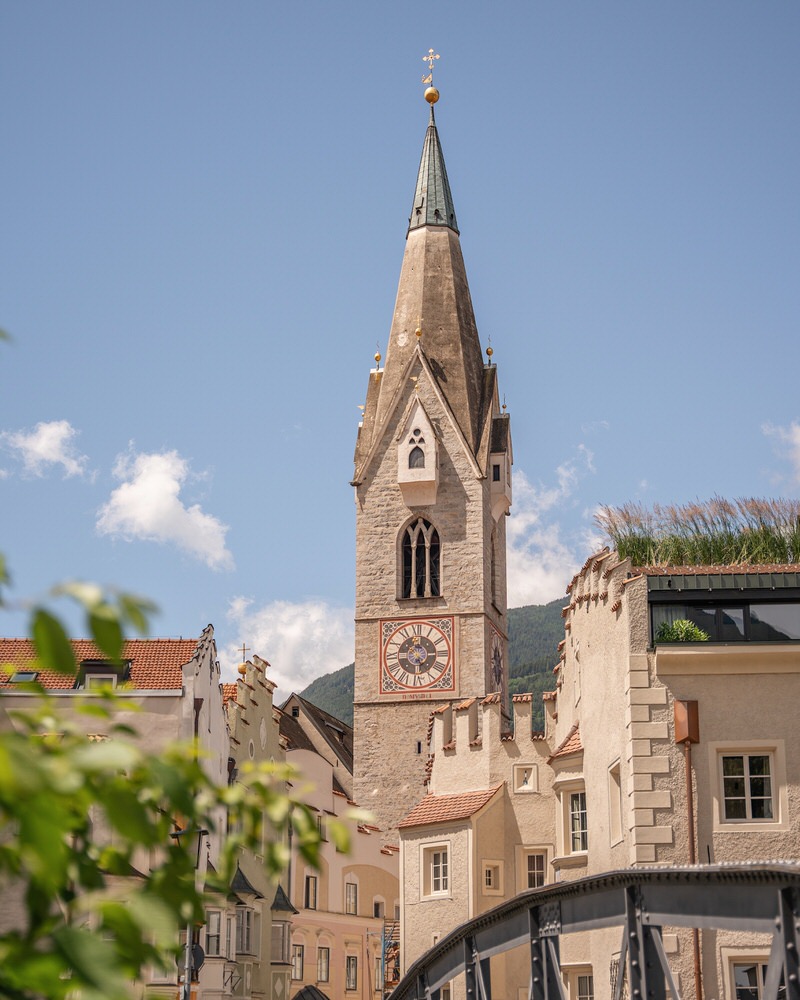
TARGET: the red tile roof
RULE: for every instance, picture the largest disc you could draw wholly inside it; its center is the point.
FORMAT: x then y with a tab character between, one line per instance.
229	692
571	744
448	808
155	663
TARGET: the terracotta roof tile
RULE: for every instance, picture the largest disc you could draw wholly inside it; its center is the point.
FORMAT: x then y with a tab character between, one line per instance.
448	808
571	744
228	693
491	699
521	697
155	663
462	705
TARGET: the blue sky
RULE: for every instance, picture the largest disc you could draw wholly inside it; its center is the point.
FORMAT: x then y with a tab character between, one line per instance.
203	224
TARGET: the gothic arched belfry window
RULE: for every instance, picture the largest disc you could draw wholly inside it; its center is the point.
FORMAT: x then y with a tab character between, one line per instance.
421	560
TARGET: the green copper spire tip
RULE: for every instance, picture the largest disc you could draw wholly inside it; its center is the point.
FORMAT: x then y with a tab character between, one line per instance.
433	202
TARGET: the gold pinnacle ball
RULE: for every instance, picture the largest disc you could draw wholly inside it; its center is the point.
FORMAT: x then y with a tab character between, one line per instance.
242	668
431	95
489	352
377	357
418	332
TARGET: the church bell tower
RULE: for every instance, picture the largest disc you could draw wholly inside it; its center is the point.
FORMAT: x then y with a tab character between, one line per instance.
432	488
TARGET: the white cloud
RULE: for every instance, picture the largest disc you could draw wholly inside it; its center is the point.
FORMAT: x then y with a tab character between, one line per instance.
789	437
148	506
301	641
49	443
540	560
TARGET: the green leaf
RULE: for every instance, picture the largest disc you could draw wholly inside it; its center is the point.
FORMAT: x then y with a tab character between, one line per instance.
52	643
92	960
87	594
106	630
136	612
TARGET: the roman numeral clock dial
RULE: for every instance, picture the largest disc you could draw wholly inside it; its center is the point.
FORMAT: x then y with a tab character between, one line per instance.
417	656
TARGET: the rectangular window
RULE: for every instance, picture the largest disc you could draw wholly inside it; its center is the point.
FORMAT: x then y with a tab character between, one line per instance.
351	972
492	878
323	965
297	961
585	987
351	898
377	909
378	973
615	803
440	879
747	787
281	931
749	979
311	892
495	473
244	931
321	829
213	932
578	829
230	923
535	870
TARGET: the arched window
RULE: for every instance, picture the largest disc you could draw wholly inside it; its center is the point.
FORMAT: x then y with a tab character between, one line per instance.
416	458
421	558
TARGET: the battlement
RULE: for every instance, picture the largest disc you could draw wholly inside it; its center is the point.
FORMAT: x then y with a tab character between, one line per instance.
471	742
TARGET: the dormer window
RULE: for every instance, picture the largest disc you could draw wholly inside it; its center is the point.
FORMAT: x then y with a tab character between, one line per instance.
98	674
417	471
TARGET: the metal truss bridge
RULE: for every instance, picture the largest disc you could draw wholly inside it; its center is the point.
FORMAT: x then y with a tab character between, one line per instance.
754	897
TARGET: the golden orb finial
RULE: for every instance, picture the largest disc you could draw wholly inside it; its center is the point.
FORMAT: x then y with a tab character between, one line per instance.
378	358
418	332
431	94
489	351
242	668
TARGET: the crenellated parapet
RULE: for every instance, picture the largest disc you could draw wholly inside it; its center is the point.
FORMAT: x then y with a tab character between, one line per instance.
472	745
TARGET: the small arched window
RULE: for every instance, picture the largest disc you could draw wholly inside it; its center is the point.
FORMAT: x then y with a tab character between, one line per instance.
416	458
421	560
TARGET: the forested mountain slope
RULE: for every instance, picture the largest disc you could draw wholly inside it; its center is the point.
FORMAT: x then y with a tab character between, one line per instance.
534	633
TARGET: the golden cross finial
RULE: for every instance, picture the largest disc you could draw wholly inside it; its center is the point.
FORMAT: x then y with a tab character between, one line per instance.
245	650
429	59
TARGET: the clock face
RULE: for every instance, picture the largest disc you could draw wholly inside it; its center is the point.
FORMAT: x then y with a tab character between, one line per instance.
417	655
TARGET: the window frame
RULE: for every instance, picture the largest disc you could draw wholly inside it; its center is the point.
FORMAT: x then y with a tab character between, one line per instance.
212	951
616	824
351	973
351	899
435	867
492	869
245	926
298	952
577	797
323	965
420	536
776	751
310	892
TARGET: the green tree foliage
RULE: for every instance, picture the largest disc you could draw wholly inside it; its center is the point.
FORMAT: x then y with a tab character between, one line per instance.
534	633
681	630
90	928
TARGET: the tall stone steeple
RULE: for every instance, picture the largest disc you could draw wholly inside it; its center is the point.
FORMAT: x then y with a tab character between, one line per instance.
434	304
433	483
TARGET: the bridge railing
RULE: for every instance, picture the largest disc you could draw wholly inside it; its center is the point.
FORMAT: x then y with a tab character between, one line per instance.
754	897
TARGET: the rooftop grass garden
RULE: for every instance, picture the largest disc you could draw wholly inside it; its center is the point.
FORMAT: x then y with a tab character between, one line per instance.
716	532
